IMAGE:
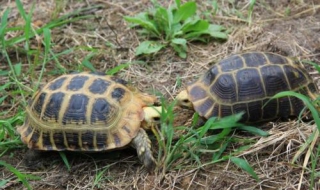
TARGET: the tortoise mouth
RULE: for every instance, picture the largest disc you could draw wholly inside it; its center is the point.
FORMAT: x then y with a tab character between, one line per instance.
186	107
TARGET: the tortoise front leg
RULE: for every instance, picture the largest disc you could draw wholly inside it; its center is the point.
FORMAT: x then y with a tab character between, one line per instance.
143	145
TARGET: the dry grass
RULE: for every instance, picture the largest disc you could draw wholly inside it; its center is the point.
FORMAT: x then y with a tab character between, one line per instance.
294	35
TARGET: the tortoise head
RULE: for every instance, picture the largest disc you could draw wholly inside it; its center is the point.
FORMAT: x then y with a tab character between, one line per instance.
152	117
183	100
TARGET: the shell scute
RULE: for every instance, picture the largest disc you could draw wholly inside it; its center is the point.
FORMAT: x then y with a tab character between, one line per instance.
197	93
46	142
274	79
225	88
270	109
210	76
295	76
276	59
56	84
101	111
231	63
99	86
118	93
254	59
52	106
87	140
73	140
249	85
37	108
254	111
77	82
59	140
101	139
76	110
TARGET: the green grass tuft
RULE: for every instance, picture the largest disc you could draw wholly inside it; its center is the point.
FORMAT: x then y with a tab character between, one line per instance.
196	141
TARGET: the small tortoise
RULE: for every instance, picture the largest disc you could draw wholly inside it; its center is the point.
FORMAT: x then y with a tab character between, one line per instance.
246	82
90	112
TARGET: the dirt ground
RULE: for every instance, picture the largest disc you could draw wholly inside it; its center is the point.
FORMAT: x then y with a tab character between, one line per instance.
287	27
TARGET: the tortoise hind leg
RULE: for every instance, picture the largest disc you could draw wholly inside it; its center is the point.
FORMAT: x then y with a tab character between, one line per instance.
33	159
143	145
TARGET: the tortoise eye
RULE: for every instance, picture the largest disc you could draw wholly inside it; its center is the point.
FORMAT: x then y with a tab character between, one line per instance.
185	101
156	119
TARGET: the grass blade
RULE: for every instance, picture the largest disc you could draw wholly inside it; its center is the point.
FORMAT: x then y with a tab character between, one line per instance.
3	26
254	130
117	68
65	160
22	177
86	62
21	10
306	101
243	164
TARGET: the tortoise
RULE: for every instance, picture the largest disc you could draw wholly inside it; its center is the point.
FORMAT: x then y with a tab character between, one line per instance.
90	112
245	83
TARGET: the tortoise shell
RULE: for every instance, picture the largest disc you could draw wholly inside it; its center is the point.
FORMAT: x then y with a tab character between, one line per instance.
246	82
84	112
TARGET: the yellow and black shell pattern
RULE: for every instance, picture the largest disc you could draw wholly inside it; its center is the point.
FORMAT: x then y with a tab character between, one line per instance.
83	112
246	82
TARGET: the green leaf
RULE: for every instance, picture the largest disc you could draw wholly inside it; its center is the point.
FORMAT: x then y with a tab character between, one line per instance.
4	22
316	66
21	10
306	101
22	177
47	39
4	73
215	7
180	41
175	30
99	176
214	138
3	98
4	86
185	11
217	155
17	69
215	27
65	160
228	122
178	3
3	182
213	30
254	130
195	25
86	62
243	164
144	21
180	46
163	20
117	68
148	47
220	35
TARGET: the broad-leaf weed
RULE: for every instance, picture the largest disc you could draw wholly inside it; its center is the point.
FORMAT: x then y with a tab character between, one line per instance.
173	26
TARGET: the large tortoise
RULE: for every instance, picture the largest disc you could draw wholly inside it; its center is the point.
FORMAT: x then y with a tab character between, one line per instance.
90	112
245	83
